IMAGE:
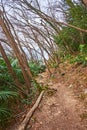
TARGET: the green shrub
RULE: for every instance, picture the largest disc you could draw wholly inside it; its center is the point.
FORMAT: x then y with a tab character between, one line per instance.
36	68
82	56
8	89
5	108
7	93
36	87
70	39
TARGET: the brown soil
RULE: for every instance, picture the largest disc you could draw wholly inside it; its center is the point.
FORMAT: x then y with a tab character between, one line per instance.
61	109
64	105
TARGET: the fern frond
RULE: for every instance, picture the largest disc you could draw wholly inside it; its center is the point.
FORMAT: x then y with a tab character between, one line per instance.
7	94
5	112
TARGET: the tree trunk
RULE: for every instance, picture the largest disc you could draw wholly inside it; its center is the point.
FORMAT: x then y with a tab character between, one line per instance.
25	70
10	69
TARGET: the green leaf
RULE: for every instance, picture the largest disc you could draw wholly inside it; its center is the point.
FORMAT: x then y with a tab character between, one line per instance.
7	94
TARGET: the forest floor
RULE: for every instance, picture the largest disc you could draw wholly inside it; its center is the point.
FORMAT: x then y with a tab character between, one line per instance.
64	104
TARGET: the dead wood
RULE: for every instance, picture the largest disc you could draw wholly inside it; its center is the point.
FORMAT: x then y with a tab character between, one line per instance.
26	120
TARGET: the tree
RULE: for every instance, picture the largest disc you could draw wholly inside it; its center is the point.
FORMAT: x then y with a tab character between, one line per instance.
23	64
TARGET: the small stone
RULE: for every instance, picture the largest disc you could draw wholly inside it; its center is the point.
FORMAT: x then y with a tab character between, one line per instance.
28	127
70	86
41	123
85	91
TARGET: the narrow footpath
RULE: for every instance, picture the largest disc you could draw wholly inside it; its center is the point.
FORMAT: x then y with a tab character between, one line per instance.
59	108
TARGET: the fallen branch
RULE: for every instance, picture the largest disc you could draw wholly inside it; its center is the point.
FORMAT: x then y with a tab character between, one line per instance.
24	123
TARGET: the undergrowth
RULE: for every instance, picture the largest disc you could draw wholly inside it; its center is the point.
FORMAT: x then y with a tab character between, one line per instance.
80	57
9	94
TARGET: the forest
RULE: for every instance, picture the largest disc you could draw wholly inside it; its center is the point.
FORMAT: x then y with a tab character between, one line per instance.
43	64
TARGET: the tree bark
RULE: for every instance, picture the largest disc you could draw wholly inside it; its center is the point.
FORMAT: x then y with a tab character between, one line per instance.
13	44
10	69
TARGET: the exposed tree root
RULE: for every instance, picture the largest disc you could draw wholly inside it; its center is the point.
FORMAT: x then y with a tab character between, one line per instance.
26	120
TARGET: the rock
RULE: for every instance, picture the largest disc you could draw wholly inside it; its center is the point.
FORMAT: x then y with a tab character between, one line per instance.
85	91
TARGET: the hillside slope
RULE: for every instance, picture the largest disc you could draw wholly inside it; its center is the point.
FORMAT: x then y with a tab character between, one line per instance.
64	104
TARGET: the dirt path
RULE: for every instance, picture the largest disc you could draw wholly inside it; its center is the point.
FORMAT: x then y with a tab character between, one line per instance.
59	110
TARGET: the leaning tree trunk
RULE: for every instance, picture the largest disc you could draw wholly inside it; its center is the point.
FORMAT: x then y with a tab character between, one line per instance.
11	71
25	70
85	2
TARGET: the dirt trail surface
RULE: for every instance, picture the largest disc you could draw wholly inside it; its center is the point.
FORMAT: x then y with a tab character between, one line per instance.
59	109
64	104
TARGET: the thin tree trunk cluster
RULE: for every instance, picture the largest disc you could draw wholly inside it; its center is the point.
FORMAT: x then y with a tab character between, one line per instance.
20	56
